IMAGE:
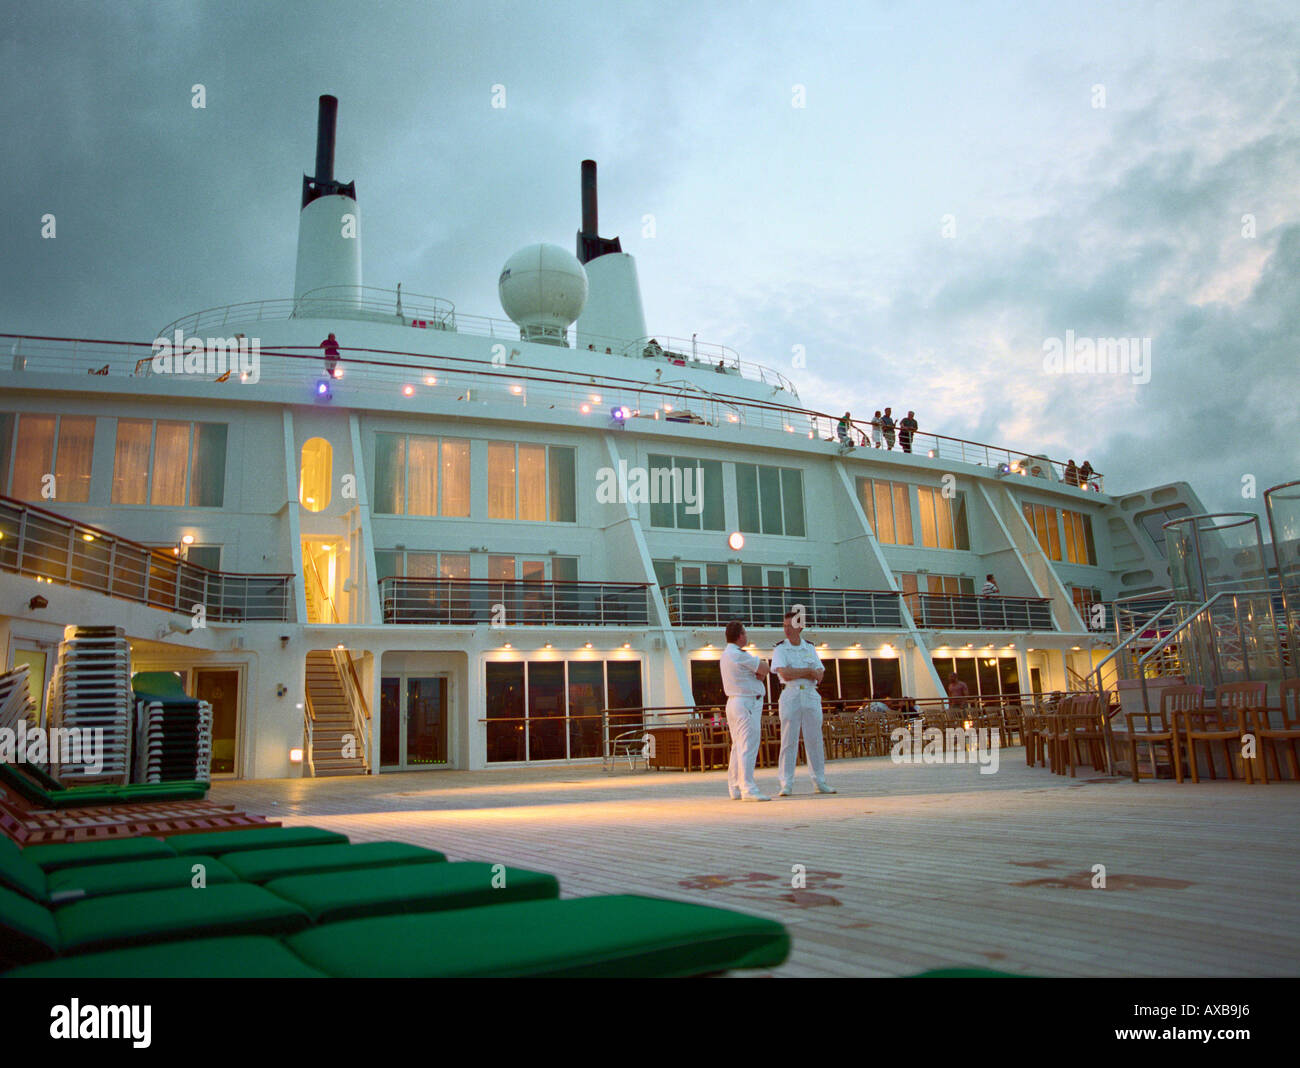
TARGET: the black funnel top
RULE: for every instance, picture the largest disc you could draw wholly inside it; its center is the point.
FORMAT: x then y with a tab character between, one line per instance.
590	243
323	183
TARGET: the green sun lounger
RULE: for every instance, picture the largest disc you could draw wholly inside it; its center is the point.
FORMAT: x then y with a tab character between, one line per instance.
33	788
237	957
57	855
219	843
263	865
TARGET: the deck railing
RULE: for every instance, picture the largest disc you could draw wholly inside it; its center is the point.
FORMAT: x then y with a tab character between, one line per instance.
468	602
765	606
958	611
56	549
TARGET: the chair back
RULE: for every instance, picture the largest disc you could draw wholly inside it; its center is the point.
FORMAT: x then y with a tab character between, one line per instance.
1241	695
1180	699
1290	695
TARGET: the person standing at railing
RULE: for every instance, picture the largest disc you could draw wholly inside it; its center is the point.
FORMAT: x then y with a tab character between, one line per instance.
1085	475
844	430
990	587
887	428
798	666
906	429
331	347
1071	474
958	692
876	439
742	681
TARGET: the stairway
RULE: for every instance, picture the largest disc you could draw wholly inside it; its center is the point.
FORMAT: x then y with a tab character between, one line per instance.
332	718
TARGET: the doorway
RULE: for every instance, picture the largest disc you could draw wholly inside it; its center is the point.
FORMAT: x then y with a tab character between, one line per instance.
414	713
220	688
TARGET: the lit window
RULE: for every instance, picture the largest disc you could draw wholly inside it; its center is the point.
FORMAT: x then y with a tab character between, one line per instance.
33	456
170	463
315	479
531	482
888	510
413	472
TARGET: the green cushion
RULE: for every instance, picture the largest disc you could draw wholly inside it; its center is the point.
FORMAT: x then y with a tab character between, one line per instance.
160	915
27	930
219	843
52	857
241	957
159	791
164	684
20	874
592	937
348	895
263	865
166	873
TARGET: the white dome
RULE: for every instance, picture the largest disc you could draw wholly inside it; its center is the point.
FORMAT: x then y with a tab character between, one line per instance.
543	288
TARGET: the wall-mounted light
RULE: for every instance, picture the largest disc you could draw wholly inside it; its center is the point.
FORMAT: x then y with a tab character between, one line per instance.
736	541
295	755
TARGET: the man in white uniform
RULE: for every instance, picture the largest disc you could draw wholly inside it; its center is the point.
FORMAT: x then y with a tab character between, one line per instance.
742	681
797	664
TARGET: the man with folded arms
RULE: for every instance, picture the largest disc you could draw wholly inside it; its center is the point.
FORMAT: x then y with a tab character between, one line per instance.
797	664
742	681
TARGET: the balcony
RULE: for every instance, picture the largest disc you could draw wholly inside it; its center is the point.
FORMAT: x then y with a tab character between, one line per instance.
48	546
950	611
468	602
765	606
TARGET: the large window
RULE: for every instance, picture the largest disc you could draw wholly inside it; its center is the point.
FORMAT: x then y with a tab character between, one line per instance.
1079	547
501	568
993	676
316	475
171	464
685	493
888	510
770	500
1042	520
527	704
44	445
531	482
943	519
417	475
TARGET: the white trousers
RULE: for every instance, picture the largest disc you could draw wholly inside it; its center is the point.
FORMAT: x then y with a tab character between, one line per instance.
744	721
801	711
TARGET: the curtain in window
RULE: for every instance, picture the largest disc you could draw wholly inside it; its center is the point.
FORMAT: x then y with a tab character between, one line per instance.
76	446
422	565
131	461
34	457
208	479
455	478
926	500
454	566
501	480
7	421
390	474
902	515
171	462
421	476
532	482
884	513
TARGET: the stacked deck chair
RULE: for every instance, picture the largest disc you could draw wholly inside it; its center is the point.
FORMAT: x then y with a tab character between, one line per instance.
91	691
16	705
173	741
303	902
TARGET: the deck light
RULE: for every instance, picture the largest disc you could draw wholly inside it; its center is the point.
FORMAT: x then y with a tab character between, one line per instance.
668	407
430	380
931	454
627	645
323	392
187	539
337	372
548	645
87	537
585	409
736	541
295	755
595	398
408	391
857	645
507	646
886	650
516	389
618	413
587	645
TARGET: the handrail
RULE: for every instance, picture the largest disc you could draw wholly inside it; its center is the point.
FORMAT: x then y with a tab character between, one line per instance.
357	703
512	602
1128	641
320	585
308	719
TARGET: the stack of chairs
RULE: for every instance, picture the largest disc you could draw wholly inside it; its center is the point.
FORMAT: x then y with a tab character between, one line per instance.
16	704
91	690
173	731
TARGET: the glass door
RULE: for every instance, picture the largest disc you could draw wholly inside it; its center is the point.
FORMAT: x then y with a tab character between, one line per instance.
220	688
413	722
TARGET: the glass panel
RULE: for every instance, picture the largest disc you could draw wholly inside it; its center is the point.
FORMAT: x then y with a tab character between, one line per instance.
421	477
769	494
501	480
171	462
130	461
706	683
505	712
886	679
532	482
799	577
716	574
76	447
711	487
855	679
1053	534
221	690
943	519
563	501
454	566
867	501
390	474
390	721
455	479
7	421
34	457
426	721
792	501
961	533
208	556
902	514
1009	674
623	690
586	699
533	570
884	513
747	497
662	512
665	572
387	564
929	536
208	477
686	482
564	568
315	475
1089	545
546	735
501	568
967	673
422	565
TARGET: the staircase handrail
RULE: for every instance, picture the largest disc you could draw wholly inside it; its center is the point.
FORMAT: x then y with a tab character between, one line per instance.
320	585
357	703
1096	671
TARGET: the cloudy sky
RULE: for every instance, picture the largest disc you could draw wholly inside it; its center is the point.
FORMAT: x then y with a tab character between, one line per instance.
919	195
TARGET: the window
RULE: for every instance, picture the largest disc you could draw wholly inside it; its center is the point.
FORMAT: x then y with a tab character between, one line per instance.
1042	521
1153	523
770	500
888	510
169	464
983	676
531	482
43	445
1079	547
208	556
859	678
685	493
417	475
943	519
316	475
952	585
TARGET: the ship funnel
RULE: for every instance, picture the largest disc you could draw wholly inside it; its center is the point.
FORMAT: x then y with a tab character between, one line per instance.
328	276
612	318
590	227
326	121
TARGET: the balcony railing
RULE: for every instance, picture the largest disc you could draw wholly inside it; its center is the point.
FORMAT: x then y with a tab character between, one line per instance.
765	606
467	602
957	611
48	546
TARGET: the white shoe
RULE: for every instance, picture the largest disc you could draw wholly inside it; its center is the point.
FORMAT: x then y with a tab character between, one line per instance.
735	797
756	797
822	788
784	792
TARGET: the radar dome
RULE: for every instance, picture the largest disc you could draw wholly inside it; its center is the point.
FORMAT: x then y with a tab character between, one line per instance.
543	288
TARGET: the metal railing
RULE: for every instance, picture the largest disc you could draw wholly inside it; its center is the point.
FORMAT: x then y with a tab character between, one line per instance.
1123	659
963	611
48	546
765	606
365	303
468	602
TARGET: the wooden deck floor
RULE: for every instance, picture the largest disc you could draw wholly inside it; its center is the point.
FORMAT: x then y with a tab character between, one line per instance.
908	867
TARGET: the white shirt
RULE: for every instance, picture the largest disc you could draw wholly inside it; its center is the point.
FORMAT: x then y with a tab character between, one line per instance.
738	678
990	589
803	655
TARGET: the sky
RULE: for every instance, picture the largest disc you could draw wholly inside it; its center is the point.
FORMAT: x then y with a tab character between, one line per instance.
914	201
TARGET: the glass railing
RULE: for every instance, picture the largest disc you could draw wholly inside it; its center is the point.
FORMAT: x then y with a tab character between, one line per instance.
765	606
469	602
951	611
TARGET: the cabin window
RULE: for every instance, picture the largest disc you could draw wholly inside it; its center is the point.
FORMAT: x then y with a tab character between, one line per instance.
770	500
316	474
888	510
169	464
1079	546
416	475
45	445
1042	520
685	494
531	482
943	519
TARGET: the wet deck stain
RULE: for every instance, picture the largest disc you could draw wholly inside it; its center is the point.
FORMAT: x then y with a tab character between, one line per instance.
821	880
1037	863
993	954
806	899
708	882
1083	881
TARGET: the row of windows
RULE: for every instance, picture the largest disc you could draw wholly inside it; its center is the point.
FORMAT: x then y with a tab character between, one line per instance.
846	679
674	572
888	509
984	676
158	462
500	567
1079	545
694	500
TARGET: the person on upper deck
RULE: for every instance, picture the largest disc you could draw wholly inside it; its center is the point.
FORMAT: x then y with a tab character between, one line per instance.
990	587
1071	474
1085	474
844	431
887	427
331	347
875	429
906	429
